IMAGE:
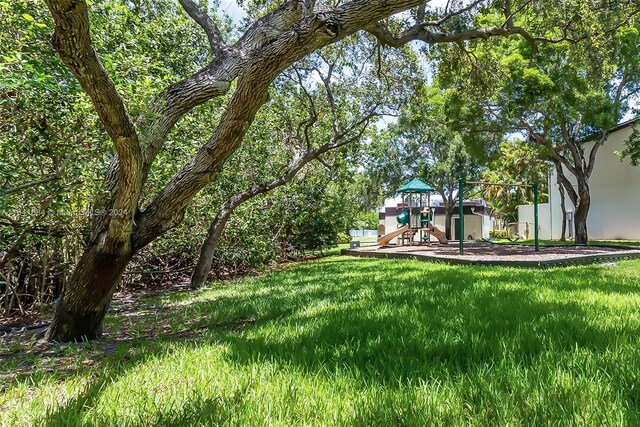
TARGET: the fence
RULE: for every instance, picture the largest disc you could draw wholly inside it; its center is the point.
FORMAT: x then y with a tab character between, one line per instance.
363	233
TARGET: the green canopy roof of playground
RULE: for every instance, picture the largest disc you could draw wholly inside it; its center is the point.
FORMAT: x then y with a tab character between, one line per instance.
415	186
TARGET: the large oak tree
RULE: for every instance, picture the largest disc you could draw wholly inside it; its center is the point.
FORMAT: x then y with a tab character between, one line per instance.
246	68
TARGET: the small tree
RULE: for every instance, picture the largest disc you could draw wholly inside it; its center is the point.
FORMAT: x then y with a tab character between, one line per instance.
515	162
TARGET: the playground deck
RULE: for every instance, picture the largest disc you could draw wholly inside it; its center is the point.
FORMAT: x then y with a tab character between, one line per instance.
506	255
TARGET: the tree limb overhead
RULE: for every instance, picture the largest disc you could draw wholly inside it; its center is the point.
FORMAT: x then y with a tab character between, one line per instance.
210	28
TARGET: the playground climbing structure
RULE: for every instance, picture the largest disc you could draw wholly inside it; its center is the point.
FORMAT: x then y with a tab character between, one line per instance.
414	220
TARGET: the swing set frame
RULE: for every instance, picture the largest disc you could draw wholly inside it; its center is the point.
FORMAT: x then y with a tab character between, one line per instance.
461	184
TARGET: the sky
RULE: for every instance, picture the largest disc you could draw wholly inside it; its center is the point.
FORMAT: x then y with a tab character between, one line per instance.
232	9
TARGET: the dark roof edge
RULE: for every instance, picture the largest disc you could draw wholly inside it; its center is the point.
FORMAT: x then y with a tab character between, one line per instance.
625	124
621	126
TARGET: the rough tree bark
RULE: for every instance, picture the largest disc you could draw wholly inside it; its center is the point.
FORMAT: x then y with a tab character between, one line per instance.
449	203
563	208
582	211
270	45
448	218
580	198
86	297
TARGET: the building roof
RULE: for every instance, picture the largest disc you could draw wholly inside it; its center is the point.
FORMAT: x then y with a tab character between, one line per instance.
625	124
415	186
621	126
470	207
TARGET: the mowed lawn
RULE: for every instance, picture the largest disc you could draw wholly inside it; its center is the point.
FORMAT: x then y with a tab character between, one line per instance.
345	341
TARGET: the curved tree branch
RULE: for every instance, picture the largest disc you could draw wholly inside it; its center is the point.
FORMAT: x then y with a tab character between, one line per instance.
216	41
210	82
419	33
72	41
54	176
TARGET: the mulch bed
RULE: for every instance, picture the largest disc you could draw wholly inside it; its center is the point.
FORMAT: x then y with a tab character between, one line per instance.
492	254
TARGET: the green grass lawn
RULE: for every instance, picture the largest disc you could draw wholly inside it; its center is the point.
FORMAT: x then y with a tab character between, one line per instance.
346	341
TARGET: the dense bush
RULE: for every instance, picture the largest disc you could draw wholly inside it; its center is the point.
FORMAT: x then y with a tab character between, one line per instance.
500	234
343	238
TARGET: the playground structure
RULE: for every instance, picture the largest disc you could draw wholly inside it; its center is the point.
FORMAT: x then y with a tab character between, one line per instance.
415	217
411	230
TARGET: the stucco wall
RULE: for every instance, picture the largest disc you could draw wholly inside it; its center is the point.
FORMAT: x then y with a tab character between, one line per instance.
615	195
438	222
525	214
476	226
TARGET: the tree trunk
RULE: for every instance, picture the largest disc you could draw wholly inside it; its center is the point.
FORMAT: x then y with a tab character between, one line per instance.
563	207
86	296
581	213
448	216
201	271
581	201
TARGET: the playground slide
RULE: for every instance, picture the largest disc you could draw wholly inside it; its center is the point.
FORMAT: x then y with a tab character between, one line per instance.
438	234
389	236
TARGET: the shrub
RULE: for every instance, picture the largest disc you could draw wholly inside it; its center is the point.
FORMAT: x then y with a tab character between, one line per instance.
499	234
343	238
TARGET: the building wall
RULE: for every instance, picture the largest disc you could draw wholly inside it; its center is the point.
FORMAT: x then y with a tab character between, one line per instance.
488	225
472	227
390	224
476	226
525	214
438	222
615	195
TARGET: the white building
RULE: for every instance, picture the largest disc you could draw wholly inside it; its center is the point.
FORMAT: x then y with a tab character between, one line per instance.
477	218
615	196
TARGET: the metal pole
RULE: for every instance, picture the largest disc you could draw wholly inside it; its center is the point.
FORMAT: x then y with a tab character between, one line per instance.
410	218
429	218
461	214
535	215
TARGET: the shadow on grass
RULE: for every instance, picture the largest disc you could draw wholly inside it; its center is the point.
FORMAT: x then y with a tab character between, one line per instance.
394	323
68	414
401	337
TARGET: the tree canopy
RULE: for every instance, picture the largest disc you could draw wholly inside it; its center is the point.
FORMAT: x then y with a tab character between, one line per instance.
161	96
